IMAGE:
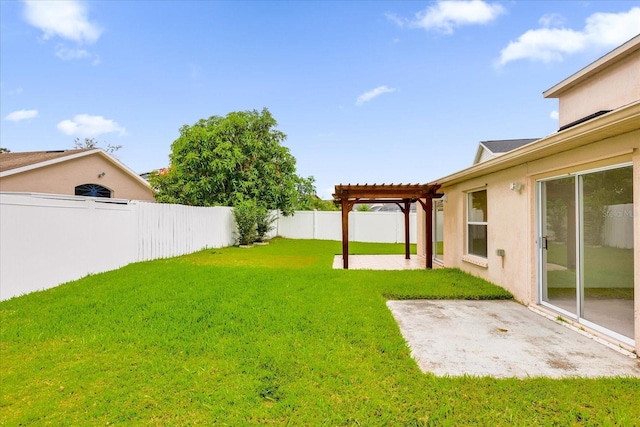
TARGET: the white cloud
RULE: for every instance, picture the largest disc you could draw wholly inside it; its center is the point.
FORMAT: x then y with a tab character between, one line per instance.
84	125
67	54
65	19
552	20
444	16
613	29
553	44
400	22
70	54
368	96
19	115
554	115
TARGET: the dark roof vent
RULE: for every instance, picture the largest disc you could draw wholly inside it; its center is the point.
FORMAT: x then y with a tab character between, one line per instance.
584	119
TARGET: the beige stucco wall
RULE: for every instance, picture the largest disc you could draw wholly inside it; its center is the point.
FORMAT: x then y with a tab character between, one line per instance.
63	177
636	244
512	216
509	228
607	90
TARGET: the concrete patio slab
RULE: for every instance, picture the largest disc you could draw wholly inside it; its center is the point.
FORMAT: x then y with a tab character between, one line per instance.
502	339
381	262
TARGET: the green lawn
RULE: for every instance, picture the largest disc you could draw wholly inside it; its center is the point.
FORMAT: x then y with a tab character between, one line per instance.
267	335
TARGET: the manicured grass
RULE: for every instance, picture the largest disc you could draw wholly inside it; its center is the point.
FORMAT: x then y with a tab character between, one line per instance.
267	335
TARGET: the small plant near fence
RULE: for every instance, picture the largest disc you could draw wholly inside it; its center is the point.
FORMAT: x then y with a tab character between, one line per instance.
264	223
245	214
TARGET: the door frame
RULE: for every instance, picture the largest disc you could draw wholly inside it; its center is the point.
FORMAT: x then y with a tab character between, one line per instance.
541	254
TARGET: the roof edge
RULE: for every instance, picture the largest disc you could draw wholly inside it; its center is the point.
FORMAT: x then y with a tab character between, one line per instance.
48	162
619	121
616	55
99	151
481	147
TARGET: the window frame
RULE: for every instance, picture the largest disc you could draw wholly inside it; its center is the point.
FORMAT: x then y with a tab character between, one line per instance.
469	223
437	224
99	191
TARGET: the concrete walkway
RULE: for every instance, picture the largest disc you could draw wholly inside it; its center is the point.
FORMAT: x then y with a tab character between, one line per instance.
502	339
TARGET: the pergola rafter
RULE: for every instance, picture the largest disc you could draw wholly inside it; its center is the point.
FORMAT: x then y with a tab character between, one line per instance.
400	194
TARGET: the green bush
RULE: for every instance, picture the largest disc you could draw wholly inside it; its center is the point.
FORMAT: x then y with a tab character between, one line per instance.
245	214
264	222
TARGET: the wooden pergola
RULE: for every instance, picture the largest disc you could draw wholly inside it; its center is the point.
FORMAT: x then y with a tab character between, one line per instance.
400	194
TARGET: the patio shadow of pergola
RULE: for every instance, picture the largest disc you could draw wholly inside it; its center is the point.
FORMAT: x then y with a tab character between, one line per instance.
400	194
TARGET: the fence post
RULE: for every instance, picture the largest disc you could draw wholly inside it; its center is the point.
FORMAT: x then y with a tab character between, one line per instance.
315	224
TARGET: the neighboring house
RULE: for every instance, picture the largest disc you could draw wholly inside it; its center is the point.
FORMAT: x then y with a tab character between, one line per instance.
557	221
489	149
83	172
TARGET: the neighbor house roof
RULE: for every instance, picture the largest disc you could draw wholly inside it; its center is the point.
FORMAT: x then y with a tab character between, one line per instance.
15	163
9	161
490	149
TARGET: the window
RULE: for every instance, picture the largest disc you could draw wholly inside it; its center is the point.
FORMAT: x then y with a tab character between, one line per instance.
92	190
477	223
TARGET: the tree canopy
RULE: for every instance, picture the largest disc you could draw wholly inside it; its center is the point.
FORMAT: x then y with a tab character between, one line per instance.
93	143
227	160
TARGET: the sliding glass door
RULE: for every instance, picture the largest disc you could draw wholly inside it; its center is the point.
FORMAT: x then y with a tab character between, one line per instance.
586	248
559	244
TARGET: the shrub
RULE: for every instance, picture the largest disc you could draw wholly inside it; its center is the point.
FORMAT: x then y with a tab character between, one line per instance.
245	215
264	222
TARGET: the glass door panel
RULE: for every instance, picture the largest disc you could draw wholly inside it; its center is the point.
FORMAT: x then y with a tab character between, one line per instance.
607	249
559	282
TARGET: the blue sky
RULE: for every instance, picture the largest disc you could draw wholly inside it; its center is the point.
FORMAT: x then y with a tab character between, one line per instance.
384	92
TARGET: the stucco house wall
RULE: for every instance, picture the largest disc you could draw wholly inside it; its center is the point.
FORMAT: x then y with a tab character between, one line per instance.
610	140
512	215
64	176
612	83
507	229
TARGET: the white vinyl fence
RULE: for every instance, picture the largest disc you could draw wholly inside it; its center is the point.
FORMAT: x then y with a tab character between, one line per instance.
382	227
46	240
618	226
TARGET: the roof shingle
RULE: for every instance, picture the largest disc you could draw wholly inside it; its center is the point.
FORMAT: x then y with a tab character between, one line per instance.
10	161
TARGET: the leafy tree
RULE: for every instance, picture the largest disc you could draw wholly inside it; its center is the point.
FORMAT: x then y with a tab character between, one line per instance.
307	198
324	205
227	160
4	150
93	143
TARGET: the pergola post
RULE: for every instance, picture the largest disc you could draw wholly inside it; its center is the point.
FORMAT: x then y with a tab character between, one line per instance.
345	233
428	213
407	246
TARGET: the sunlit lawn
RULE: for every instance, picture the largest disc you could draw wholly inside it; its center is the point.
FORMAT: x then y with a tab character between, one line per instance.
267	335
